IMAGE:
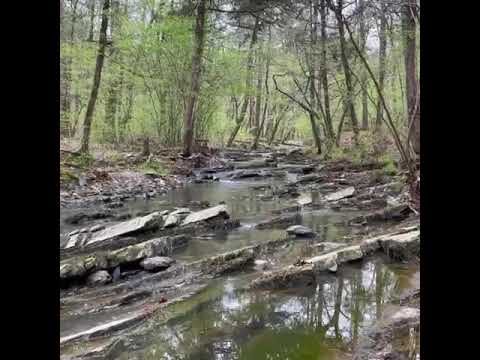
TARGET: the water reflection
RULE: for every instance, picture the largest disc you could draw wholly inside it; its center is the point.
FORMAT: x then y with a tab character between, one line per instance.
321	322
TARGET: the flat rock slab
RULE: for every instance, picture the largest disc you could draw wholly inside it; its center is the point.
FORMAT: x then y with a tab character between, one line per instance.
97	349
303	273
402	246
296	169
256	163
105	328
300	230
304	200
308	178
245	174
398	213
100	277
341	194
125	228
290	277
156	263
279	222
328	246
202	215
81	266
172	220
181	211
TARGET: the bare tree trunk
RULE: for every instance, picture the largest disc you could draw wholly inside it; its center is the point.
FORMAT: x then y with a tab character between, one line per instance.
340	127
258	95
382	61
277	124
239	121
364	75
145	147
91	11
323	70
62	14
196	72
62	64
396	74
346	68
96	79
267	96
246	100
311	62
413	96
404	153
66	108
114	84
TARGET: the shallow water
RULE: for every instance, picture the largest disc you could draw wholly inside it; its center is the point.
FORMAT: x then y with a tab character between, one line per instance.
227	322
243	203
323	322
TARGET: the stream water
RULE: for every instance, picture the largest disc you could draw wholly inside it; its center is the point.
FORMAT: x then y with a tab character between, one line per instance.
243	203
226	321
322	322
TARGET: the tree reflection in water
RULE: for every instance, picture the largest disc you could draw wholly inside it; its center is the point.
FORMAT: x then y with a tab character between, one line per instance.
321	322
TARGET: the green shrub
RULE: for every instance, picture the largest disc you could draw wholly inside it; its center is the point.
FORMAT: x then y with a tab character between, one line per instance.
153	166
389	167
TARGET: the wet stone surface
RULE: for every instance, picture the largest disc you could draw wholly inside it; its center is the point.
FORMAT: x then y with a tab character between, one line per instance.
208	310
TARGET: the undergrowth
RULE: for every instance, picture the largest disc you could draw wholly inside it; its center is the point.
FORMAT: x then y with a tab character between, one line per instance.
153	166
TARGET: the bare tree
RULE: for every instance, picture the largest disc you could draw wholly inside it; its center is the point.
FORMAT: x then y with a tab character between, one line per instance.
409	13
382	52
246	99
338	9
364	76
196	72
115	82
323	69
96	79
312	67
91	11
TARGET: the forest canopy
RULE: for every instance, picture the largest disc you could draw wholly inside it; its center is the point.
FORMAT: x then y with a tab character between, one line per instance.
329	73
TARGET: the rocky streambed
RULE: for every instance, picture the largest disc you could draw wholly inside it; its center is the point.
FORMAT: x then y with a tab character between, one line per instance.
269	253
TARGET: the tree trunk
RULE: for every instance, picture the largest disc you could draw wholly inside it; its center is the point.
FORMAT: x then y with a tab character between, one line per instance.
346	69
258	95
145	147
340	127
91	11
267	96
382	53
114	84
196	72
62	13
239	121
323	70
277	124
96	79
66	108
311	62
246	100
127	115
62	63
413	96
364	75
